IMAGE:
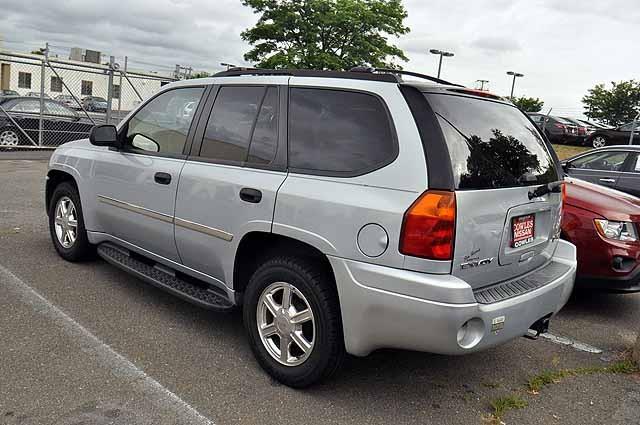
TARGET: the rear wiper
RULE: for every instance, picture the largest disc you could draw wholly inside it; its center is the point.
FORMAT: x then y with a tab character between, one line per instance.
555	187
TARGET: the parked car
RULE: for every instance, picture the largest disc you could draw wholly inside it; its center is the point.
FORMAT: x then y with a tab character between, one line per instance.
617	167
60	124
592	126
94	104
583	129
37	94
556	129
67	100
344	211
614	136
8	93
604	224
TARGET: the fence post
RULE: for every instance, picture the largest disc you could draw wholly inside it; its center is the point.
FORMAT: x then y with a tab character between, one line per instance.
110	88
42	69
120	94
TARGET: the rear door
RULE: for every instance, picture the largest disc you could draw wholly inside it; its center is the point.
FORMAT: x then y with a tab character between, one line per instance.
229	183
629	180
603	168
498	157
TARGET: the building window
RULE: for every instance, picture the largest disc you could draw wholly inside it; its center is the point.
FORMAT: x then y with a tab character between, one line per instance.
87	88
24	80
56	84
116	91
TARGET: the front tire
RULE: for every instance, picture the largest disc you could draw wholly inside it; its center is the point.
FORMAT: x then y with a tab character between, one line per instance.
9	137
66	224
292	318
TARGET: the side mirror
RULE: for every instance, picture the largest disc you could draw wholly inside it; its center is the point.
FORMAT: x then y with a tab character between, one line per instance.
104	135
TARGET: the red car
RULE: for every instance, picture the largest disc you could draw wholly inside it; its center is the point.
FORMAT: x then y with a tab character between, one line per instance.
604	224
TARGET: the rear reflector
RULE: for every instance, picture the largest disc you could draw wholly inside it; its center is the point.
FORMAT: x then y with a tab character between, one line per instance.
428	229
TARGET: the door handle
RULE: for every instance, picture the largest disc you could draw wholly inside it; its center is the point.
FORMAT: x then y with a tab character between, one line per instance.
608	180
162	178
248	194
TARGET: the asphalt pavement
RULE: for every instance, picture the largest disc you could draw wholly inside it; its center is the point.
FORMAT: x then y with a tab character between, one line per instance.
88	344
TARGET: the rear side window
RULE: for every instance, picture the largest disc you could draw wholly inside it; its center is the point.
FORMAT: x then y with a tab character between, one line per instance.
492	145
334	132
243	126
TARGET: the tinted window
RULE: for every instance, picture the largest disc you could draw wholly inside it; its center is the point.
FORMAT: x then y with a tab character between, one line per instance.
265	135
166	120
229	128
334	131
491	144
604	161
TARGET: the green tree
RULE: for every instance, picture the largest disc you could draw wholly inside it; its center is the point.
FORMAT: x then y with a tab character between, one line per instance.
325	34
200	74
528	104
613	106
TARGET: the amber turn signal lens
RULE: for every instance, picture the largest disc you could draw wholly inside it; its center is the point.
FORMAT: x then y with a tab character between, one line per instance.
428	229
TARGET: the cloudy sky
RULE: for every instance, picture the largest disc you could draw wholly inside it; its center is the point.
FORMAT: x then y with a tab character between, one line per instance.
563	47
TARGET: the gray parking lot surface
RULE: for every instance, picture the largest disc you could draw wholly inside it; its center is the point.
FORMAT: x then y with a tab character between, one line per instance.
87	343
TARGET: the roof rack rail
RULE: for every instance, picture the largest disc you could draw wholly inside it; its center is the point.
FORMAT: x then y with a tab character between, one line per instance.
236	72
364	69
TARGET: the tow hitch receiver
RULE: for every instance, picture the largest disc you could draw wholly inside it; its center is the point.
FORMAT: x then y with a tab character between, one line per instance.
538	328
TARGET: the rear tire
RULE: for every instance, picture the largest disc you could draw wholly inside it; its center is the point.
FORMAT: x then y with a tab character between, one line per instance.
312	290
599	142
9	137
66	224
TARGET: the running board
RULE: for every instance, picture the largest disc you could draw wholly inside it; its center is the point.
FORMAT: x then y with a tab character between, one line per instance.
202	295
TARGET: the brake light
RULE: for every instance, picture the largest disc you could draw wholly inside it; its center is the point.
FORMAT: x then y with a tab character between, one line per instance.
560	126
428	229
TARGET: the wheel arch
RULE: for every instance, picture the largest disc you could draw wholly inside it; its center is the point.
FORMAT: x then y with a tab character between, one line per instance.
257	247
54	178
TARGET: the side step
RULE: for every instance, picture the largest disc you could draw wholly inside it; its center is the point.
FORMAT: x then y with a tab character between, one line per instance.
166	279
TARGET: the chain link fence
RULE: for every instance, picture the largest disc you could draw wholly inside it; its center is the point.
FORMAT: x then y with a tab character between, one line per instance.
45	102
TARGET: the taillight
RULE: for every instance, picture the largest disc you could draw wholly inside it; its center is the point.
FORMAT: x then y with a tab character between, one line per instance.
428	229
560	126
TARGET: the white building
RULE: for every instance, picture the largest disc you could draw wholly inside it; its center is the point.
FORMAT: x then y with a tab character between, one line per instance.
22	73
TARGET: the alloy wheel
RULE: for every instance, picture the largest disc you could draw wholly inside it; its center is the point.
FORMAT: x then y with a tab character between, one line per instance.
9	138
286	324
66	222
599	142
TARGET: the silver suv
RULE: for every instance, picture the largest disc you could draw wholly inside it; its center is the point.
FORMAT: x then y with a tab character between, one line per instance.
343	211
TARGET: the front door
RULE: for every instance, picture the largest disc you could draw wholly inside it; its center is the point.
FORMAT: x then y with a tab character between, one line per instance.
228	186
136	187
601	168
629	180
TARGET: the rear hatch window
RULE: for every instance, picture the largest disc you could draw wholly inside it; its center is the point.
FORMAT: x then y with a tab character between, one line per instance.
498	156
492	145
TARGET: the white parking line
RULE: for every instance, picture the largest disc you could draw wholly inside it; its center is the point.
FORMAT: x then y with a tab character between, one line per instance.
91	344
580	346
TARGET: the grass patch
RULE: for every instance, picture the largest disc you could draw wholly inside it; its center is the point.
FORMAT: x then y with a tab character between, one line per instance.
566	151
502	405
537	382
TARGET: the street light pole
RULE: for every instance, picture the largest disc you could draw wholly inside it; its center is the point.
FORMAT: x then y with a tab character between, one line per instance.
442	53
513	84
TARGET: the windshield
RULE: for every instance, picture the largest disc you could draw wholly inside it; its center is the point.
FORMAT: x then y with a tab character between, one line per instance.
492	145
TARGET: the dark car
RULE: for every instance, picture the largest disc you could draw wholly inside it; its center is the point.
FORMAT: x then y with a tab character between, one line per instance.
556	129
60	124
614	136
583	129
8	93
94	104
604	225
617	167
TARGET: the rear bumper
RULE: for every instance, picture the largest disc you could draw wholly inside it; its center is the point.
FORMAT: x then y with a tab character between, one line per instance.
376	315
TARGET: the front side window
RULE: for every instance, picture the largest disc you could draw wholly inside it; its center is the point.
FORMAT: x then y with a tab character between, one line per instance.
28	106
231	122
336	132
55	108
603	161
162	124
491	144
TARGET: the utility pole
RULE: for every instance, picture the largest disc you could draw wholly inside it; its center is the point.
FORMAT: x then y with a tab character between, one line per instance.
513	84
442	54
45	61
482	83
